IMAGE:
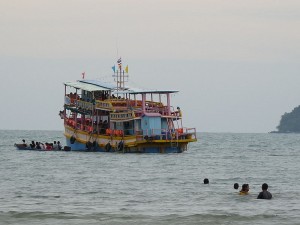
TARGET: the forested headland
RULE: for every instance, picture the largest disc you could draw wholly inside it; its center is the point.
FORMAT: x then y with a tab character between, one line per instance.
290	122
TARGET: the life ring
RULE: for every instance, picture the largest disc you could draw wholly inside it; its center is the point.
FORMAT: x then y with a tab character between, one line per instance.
180	130
72	139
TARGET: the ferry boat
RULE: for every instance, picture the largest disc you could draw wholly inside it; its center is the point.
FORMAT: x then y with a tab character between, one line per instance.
113	117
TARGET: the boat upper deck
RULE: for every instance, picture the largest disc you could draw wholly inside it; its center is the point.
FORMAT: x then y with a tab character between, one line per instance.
94	94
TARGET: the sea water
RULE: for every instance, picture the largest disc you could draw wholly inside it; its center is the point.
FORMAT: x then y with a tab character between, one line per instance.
113	188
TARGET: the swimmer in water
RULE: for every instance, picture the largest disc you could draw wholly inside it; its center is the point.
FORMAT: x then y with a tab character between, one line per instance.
236	186
206	181
265	194
245	189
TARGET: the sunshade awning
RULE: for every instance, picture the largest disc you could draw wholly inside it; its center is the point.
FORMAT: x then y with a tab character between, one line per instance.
86	86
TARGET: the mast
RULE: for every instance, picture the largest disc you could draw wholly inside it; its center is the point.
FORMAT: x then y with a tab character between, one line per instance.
120	75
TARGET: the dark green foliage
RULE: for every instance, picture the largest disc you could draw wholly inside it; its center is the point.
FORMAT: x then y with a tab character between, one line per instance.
290	122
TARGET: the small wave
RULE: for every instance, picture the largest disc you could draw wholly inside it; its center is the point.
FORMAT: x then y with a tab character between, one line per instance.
257	146
44	196
37	215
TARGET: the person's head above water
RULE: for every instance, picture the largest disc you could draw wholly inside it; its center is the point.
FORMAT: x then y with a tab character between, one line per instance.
236	186
206	181
245	187
264	186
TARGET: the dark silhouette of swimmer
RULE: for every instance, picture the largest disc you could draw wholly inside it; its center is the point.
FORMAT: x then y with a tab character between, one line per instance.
265	194
206	181
236	186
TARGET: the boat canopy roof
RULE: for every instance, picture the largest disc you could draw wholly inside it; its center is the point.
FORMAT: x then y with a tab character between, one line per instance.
143	91
86	86
98	85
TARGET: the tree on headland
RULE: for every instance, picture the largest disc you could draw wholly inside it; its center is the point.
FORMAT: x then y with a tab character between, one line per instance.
290	122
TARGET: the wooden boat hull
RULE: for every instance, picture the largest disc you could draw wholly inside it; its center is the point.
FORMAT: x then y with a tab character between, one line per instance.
83	141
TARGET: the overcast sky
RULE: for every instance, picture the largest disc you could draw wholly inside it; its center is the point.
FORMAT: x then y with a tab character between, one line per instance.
235	62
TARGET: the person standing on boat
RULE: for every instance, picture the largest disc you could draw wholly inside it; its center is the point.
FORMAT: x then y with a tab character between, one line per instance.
179	113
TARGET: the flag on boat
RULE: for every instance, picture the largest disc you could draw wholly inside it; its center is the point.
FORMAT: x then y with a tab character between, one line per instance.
114	68
126	69
83	74
119	63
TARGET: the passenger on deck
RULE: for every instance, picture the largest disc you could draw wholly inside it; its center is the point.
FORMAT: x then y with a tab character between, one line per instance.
105	125
100	127
38	146
48	146
55	146
103	96
32	145
179	113
59	145
42	146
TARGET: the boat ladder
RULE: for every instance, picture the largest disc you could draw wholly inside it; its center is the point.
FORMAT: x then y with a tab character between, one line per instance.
174	142
174	139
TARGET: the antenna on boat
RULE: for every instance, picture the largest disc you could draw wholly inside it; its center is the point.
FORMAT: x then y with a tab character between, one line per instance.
117	48
120	75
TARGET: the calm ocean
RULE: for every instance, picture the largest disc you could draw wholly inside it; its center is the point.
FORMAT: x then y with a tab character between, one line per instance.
112	188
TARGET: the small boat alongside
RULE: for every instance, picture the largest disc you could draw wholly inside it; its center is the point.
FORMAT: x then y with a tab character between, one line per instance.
38	146
23	147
